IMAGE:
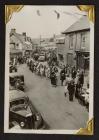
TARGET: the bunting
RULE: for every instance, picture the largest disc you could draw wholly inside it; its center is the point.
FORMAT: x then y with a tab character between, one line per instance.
9	9
38	13
57	13
70	14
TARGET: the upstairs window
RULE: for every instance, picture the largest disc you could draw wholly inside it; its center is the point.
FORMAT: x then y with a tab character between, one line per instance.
71	41
83	40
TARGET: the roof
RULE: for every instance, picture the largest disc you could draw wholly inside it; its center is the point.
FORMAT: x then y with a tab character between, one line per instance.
81	24
61	38
15	74
16	94
15	51
24	112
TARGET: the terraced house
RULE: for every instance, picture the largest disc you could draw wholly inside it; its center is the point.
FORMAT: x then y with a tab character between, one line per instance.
19	43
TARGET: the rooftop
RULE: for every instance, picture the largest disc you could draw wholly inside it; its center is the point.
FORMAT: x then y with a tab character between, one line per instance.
16	94
81	24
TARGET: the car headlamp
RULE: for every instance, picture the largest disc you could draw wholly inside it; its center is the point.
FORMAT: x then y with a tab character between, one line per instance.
22	124
37	117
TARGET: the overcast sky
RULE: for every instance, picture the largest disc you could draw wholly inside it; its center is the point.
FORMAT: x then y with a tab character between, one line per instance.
45	23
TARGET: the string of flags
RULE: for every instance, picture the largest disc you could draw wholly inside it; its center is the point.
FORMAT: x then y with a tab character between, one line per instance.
58	14
38	13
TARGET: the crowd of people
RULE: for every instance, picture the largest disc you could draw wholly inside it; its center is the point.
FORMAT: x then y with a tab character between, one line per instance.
69	77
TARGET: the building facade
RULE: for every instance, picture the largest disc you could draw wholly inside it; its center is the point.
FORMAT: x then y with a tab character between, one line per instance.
60	45
19	43
76	49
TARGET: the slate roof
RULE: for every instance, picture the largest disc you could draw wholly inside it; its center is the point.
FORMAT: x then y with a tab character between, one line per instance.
81	24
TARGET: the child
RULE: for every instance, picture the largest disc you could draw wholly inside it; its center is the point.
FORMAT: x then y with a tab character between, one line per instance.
65	90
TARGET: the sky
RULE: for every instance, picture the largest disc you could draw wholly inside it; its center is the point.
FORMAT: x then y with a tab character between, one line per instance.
44	24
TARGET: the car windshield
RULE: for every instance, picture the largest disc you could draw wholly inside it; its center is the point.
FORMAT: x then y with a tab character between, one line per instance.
17	102
21	78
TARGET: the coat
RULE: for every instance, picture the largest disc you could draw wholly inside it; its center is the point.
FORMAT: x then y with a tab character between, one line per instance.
62	75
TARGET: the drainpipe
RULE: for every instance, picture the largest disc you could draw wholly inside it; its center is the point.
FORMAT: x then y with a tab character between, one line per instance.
75	50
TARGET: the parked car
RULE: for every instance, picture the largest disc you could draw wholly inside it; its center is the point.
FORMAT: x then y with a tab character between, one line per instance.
23	112
12	68
17	81
14	125
41	58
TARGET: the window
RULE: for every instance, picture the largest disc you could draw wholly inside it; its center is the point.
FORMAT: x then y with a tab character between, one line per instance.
71	41
83	40
17	102
60	41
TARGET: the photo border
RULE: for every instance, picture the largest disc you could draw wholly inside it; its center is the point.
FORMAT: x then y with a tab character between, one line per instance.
10	9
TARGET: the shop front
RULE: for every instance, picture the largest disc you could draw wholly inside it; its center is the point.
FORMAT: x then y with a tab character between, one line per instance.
82	61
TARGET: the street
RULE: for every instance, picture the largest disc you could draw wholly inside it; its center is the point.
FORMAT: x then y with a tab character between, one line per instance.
56	109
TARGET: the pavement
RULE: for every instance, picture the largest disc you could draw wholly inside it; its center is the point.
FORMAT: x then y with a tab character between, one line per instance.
56	109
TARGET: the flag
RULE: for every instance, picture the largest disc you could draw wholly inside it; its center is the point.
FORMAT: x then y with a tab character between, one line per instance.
38	13
58	14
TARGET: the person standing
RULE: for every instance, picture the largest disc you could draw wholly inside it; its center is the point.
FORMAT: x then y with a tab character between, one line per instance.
73	73
41	71
77	89
32	66
14	61
81	79
53	78
62	76
66	90
71	90
57	75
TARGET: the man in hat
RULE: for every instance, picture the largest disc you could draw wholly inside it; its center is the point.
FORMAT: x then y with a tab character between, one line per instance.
71	89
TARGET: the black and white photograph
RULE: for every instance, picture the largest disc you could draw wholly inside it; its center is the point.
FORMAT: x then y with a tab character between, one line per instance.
48	69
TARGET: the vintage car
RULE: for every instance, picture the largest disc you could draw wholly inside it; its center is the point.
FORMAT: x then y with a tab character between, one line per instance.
12	68
14	125
22	111
41	58
17	81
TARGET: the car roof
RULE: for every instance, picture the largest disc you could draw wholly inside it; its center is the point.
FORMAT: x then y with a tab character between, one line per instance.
42	56
15	74
16	94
